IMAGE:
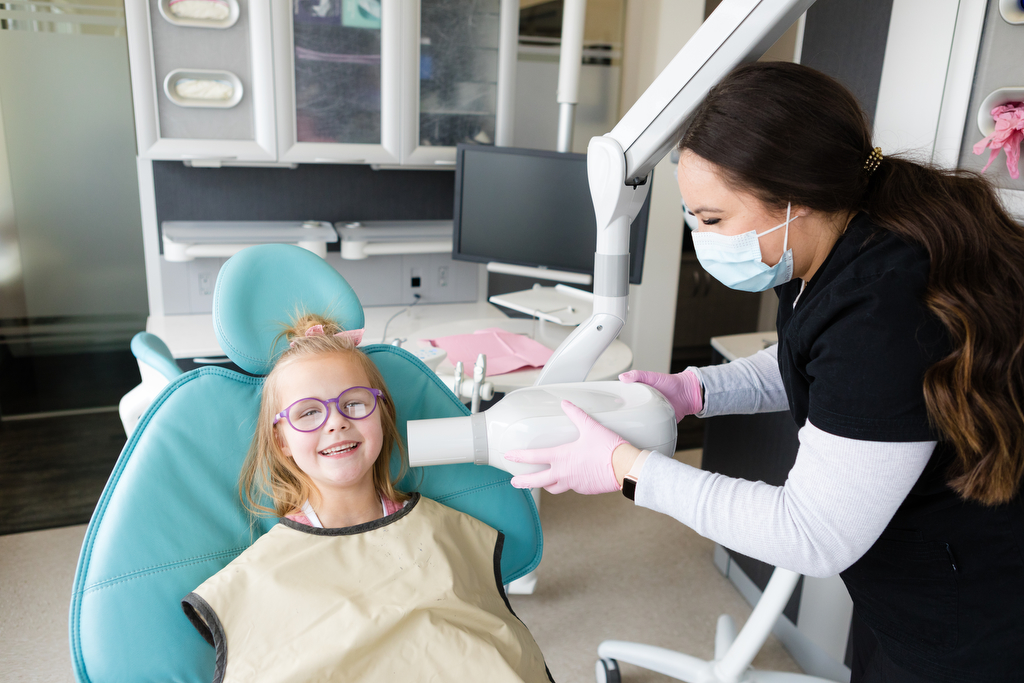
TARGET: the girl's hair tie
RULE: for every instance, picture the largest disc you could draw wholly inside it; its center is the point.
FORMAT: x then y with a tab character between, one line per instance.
355	336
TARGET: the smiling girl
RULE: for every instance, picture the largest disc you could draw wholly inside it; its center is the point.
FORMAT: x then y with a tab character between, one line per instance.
326	415
359	581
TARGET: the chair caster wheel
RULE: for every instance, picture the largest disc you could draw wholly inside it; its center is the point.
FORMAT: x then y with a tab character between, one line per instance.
608	671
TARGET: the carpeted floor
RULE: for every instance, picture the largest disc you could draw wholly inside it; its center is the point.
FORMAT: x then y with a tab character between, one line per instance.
614	571
610	570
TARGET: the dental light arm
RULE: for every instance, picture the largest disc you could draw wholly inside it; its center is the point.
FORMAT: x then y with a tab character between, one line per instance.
619	163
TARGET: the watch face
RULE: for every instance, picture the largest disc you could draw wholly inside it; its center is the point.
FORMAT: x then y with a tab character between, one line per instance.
629	488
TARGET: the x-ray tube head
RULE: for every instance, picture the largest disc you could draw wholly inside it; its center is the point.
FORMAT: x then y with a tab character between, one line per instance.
532	417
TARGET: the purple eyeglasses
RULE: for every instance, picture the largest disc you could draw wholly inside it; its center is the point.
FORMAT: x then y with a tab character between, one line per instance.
310	414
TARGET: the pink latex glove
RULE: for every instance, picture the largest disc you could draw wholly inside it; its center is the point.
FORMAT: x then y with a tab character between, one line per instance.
1007	136
681	389
583	465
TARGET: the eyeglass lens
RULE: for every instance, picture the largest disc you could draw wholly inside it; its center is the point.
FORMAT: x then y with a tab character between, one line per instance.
311	413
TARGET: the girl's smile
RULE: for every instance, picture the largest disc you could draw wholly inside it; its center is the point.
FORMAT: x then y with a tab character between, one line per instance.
339	450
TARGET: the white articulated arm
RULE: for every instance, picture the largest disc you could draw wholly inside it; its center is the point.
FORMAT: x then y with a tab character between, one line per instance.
619	163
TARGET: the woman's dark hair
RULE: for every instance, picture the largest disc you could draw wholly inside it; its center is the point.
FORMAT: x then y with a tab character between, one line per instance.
787	133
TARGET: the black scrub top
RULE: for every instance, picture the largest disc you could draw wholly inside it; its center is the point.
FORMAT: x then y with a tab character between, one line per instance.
943	587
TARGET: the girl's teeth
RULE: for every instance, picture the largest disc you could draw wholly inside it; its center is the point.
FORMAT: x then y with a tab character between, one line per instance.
332	451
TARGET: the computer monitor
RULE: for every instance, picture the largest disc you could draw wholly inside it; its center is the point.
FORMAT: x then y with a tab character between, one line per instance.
531	207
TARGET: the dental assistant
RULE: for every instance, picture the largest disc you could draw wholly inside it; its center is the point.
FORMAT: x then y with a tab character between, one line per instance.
900	357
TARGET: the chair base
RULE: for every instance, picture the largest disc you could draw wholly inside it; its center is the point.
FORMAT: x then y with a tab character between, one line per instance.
733	652
524	585
679	666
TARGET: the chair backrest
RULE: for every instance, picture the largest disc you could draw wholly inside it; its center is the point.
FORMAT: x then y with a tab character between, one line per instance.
170	515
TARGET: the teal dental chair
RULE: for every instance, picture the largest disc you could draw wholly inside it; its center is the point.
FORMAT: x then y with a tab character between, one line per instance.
170	515
157	368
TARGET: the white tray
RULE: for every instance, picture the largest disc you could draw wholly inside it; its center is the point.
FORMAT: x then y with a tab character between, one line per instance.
559	304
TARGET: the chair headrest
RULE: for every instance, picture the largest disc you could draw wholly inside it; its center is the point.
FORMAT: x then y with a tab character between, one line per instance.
261	287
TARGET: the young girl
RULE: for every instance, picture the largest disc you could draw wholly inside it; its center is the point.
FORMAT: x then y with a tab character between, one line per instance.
359	581
318	465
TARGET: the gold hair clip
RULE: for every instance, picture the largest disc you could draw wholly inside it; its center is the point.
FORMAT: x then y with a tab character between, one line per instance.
874	159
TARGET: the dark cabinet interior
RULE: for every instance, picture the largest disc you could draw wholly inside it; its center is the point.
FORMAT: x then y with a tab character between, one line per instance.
706	308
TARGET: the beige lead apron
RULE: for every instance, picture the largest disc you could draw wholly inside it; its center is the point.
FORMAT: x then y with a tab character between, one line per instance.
414	596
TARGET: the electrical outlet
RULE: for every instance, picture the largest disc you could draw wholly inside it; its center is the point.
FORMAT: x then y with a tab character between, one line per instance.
206	281
202	277
415	278
441	280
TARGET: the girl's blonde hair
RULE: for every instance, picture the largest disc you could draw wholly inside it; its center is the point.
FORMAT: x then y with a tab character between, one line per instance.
267	471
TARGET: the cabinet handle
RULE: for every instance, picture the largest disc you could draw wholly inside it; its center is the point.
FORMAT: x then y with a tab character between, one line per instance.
707	286
696	284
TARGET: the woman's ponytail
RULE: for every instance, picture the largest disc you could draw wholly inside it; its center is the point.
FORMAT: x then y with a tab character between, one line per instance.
976	289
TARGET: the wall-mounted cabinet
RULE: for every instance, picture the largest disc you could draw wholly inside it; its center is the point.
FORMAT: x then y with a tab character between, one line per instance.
392	82
202	89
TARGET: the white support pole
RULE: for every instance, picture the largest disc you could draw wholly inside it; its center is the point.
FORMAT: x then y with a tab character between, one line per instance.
753	634
508	55
570	63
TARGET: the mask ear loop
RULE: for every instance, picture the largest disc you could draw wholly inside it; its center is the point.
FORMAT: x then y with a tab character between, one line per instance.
785	225
785	240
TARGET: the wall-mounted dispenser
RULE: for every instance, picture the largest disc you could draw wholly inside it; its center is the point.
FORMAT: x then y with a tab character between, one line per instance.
1001	120
188	240
203	88
1012	11
986	124
360	240
200	13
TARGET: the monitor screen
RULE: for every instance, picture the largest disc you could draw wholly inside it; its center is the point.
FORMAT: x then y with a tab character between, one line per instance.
531	207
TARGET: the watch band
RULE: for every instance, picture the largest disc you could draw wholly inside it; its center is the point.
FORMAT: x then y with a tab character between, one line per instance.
630	480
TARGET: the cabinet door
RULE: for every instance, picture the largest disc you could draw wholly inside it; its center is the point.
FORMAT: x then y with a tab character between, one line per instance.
336	69
456	50
202	88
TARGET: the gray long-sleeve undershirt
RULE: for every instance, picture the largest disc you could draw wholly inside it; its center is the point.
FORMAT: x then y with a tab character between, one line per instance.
838	498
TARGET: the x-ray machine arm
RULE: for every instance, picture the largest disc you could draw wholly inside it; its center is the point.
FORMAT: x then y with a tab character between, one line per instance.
619	163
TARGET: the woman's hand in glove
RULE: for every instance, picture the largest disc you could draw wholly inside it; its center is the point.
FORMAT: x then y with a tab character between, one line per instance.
583	465
681	389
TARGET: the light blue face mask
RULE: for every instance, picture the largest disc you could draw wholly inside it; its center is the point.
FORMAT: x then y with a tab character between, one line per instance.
735	260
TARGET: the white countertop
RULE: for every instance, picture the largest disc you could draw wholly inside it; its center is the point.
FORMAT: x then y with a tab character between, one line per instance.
616	359
191	336
188	336
735	346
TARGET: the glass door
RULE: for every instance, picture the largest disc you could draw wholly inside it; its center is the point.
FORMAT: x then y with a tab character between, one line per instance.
336	74
456	88
72	273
